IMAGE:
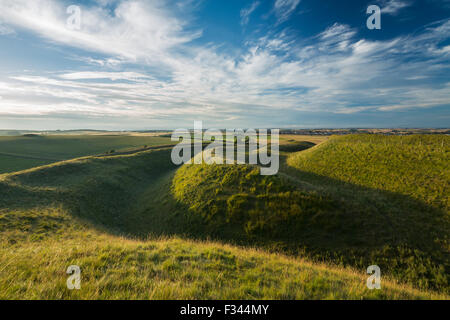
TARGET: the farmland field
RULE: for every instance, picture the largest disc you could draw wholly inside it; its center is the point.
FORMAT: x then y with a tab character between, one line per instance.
141	227
28	151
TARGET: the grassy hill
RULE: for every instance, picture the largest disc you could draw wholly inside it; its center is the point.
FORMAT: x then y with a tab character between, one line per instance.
339	203
139	227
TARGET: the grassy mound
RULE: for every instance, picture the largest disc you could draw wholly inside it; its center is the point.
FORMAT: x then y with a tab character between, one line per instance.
238	203
99	213
331	219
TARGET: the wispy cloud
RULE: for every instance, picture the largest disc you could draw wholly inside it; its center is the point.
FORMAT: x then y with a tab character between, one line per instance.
284	9
132	76
337	37
246	12
392	7
136	30
5	30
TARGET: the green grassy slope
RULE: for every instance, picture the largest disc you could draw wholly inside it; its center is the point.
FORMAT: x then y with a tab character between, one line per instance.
106	214
24	152
330	219
116	268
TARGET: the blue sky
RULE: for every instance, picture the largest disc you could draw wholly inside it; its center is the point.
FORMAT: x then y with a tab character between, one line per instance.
156	64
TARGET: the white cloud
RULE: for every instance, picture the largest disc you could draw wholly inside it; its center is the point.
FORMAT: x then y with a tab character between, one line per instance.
5	30
284	9
392	7
351	110
338	31
132	76
136	30
246	12
107	62
337	37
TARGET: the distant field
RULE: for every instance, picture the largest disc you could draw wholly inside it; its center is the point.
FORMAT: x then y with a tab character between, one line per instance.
290	138
24	152
29	151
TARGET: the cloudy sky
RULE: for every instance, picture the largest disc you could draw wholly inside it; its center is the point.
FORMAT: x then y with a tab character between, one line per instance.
154	64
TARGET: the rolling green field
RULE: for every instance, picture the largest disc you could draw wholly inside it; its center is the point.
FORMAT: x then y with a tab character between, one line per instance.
28	151
140	227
